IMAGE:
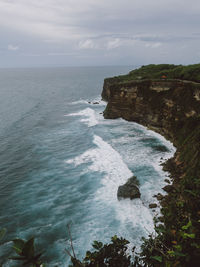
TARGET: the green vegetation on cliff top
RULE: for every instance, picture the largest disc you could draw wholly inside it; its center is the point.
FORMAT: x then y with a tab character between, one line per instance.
152	71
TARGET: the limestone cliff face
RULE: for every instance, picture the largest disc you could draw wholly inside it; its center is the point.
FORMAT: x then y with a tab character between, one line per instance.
161	105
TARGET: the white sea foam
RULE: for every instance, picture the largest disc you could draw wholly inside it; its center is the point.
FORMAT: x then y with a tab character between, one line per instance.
99	101
134	215
158	136
141	156
81	101
89	116
107	160
138	155
90	101
155	185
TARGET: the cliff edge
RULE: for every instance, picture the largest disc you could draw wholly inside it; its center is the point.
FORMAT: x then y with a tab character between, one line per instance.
162	105
159	97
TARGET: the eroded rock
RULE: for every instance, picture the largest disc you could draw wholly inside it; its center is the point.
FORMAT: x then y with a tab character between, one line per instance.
153	205
168	188
159	196
129	189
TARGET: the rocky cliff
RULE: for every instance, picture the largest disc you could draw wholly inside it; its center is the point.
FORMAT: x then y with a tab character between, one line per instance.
170	107
162	105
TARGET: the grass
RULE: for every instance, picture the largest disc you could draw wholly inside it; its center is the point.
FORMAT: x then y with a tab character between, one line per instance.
152	71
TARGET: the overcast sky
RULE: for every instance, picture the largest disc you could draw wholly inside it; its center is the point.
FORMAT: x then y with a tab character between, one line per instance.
98	32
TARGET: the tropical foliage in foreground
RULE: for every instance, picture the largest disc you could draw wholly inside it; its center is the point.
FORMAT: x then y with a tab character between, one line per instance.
112	254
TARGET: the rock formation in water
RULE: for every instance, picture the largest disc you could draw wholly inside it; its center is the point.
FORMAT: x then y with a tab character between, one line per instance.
129	189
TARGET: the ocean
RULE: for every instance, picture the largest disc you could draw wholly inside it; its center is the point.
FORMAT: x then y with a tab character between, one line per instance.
61	163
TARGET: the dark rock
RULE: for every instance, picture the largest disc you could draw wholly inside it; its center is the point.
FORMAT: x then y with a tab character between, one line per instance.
89	102
159	196
95	103
129	189
167	181
164	202
153	205
169	165
161	148
168	188
161	218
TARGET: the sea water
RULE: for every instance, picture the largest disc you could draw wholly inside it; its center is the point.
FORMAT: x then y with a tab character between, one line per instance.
61	163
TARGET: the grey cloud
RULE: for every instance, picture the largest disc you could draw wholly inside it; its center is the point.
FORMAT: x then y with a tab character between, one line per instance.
100	31
12	47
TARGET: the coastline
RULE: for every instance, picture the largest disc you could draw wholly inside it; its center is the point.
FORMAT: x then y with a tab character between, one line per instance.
170	108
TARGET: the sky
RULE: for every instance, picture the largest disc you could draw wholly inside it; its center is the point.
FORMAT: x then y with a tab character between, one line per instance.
98	32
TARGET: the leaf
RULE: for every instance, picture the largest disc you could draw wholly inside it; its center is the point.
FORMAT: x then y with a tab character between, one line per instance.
195	245
178	247
114	238
168	264
97	245
171	252
157	258
88	255
28	250
160	229
2	233
177	253
186	235
100	244
18	246
185	227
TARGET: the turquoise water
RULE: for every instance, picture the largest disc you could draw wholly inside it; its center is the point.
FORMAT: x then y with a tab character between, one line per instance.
61	163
